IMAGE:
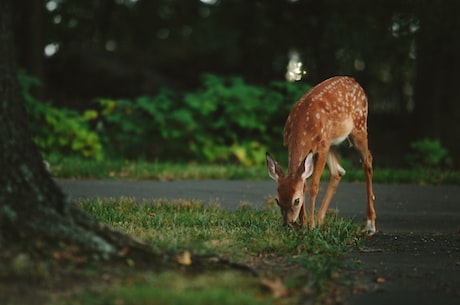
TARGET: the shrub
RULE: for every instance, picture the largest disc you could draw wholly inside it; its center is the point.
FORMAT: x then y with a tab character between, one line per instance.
227	119
239	121
58	131
235	119
428	153
146	127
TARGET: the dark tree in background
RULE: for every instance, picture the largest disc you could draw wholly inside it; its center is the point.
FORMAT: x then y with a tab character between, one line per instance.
437	111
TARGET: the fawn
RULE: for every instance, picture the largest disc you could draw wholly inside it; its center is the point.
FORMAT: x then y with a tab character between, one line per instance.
324	117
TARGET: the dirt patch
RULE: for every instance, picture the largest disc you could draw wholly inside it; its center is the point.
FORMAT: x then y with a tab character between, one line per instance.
408	268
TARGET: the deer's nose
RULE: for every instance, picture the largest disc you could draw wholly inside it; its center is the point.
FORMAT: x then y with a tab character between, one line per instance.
286	223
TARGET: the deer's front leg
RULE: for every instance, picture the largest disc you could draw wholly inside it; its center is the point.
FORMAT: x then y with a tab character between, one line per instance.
303	215
314	184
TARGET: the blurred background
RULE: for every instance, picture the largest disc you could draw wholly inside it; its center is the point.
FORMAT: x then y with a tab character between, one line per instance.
205	80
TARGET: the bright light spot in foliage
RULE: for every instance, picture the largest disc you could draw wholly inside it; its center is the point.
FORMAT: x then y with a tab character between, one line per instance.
294	68
211	2
51	5
111	45
359	64
128	3
51	49
57	19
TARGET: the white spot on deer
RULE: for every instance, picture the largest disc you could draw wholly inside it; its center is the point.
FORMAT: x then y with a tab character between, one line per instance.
317	116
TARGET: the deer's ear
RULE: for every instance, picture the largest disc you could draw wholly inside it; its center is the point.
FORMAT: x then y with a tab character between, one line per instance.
274	170
306	167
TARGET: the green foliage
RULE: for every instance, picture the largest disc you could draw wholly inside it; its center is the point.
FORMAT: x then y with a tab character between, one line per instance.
227	119
146	127
56	131
428	153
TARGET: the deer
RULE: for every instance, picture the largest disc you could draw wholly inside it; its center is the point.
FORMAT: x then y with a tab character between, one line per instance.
329	113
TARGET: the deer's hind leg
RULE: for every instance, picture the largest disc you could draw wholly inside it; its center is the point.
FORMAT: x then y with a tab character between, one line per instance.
336	173
361	144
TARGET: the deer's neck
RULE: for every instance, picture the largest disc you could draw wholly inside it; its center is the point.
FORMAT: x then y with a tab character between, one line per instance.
298	149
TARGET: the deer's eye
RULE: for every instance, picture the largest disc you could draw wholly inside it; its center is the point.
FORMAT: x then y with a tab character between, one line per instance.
277	201
297	201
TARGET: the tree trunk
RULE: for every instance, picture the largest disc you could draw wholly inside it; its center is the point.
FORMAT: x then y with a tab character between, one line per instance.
32	207
34	213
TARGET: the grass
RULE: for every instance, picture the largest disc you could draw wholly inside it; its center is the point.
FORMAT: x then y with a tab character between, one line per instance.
79	168
291	265
182	225
140	170
174	288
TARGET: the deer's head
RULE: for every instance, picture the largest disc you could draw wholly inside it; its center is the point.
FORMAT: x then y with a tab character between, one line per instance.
291	187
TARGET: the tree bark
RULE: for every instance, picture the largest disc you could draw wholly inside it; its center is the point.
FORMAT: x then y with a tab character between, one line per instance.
35	216
32	207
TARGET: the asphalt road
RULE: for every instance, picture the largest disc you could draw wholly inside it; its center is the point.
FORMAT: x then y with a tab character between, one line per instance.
414	258
400	208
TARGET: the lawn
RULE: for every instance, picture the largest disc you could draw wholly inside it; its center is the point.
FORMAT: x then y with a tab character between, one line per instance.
219	257
79	168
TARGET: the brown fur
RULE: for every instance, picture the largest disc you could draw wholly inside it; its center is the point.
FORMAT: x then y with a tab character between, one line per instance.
324	117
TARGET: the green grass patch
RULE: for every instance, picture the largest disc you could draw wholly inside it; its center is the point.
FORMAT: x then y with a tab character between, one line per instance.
79	168
187	225
292	264
174	288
